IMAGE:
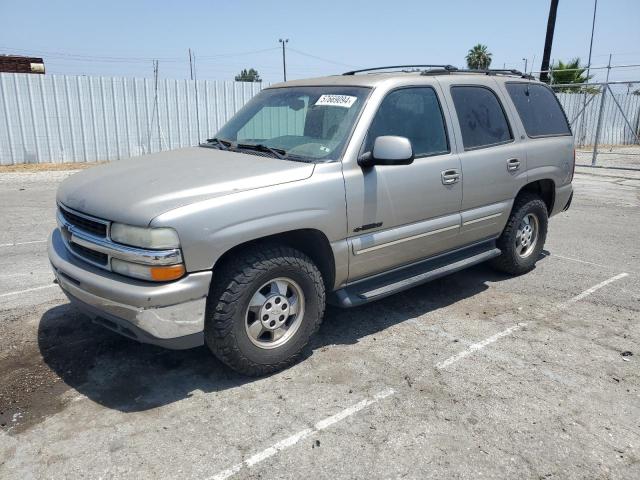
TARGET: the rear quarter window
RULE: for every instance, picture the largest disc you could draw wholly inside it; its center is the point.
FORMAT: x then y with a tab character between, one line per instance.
539	110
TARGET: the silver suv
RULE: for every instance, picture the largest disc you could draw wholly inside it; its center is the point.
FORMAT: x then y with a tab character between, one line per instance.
344	189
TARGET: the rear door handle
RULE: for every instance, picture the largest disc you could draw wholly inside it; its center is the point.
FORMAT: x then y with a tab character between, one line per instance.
449	177
513	164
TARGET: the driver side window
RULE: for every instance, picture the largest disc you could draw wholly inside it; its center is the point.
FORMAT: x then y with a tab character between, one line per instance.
413	113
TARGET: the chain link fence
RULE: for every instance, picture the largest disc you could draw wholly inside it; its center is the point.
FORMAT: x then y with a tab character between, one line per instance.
605	120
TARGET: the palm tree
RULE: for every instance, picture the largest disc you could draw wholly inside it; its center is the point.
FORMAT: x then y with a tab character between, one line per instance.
479	58
568	73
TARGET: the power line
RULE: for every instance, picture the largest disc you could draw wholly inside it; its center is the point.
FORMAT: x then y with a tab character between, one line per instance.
299	52
115	59
251	52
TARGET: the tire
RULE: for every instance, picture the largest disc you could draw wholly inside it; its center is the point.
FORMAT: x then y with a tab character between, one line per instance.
517	258
246	291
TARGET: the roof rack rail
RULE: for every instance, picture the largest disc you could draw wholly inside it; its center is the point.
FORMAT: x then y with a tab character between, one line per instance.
445	67
487	71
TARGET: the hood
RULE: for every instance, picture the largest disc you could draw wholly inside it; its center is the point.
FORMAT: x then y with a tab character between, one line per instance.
137	190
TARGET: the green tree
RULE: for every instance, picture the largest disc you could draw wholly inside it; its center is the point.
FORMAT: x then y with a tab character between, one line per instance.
569	73
479	57
250	75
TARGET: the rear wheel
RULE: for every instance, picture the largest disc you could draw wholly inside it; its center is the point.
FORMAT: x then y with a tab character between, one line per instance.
263	308
524	235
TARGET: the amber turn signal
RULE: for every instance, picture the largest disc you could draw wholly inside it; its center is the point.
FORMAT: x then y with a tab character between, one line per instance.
164	274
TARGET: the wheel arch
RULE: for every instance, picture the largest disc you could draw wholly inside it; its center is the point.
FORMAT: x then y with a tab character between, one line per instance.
312	242
545	188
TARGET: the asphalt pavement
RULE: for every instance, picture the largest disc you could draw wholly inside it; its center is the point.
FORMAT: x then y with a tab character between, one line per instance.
477	375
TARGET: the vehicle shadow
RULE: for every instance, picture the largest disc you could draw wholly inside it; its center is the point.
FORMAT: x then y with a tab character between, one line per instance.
122	374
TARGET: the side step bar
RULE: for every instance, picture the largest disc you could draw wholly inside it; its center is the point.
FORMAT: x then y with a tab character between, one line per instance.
381	286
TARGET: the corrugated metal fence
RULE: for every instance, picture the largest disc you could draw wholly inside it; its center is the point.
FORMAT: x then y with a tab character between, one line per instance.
59	118
56	118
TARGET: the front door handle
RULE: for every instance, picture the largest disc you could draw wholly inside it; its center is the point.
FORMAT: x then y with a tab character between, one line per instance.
513	164
449	177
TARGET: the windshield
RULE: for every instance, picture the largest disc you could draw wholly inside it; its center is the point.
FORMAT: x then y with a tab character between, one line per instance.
311	123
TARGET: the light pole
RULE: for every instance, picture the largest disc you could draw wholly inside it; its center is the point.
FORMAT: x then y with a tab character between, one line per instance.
526	61
284	57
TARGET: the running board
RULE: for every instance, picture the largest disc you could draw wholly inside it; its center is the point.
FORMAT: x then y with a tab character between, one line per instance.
404	278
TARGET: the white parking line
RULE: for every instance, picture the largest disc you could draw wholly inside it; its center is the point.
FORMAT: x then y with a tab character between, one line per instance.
28	290
487	341
562	257
329	421
21	243
296	437
589	291
479	346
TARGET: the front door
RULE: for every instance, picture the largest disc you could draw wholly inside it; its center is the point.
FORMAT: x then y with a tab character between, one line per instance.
398	214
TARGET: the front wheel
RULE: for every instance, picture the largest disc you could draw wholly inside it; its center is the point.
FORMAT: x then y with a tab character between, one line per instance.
263	308
524	235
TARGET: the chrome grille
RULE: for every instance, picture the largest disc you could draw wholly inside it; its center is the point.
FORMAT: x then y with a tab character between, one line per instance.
85	223
95	257
88	238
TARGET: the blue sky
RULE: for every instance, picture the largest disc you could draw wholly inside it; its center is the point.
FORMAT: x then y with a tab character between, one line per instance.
120	38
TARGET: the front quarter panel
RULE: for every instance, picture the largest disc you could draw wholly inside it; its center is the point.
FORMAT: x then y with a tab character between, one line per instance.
210	228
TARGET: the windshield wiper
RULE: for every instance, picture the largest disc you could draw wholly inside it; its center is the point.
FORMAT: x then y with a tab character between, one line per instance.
219	142
276	152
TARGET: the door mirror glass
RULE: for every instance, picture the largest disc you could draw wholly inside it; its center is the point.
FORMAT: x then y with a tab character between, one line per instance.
388	150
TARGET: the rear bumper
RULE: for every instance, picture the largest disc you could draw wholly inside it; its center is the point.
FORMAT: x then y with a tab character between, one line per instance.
566	207
170	314
564	195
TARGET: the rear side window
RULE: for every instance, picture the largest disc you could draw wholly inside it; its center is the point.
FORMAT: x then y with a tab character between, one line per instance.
539	110
482	119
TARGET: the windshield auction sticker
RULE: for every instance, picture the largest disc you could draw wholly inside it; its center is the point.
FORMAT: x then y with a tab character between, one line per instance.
336	101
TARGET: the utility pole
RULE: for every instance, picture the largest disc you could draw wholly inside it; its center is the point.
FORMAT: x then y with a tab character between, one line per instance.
593	27
155	106
548	41
533	62
194	76
605	87
284	58
581	131
190	65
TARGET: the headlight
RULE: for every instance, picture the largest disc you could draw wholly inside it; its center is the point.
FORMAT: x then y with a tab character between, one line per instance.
153	238
147	272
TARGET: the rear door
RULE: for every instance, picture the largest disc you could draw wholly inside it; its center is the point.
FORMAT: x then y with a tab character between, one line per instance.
491	155
549	140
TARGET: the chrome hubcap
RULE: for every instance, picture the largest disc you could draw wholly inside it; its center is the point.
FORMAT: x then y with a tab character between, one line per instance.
275	313
527	235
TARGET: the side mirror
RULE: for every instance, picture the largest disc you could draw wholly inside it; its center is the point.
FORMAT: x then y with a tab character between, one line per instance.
388	150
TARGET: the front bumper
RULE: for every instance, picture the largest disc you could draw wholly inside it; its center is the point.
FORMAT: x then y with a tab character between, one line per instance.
169	314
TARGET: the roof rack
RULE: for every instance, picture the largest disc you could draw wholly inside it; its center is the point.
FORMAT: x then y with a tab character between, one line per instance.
445	67
487	71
